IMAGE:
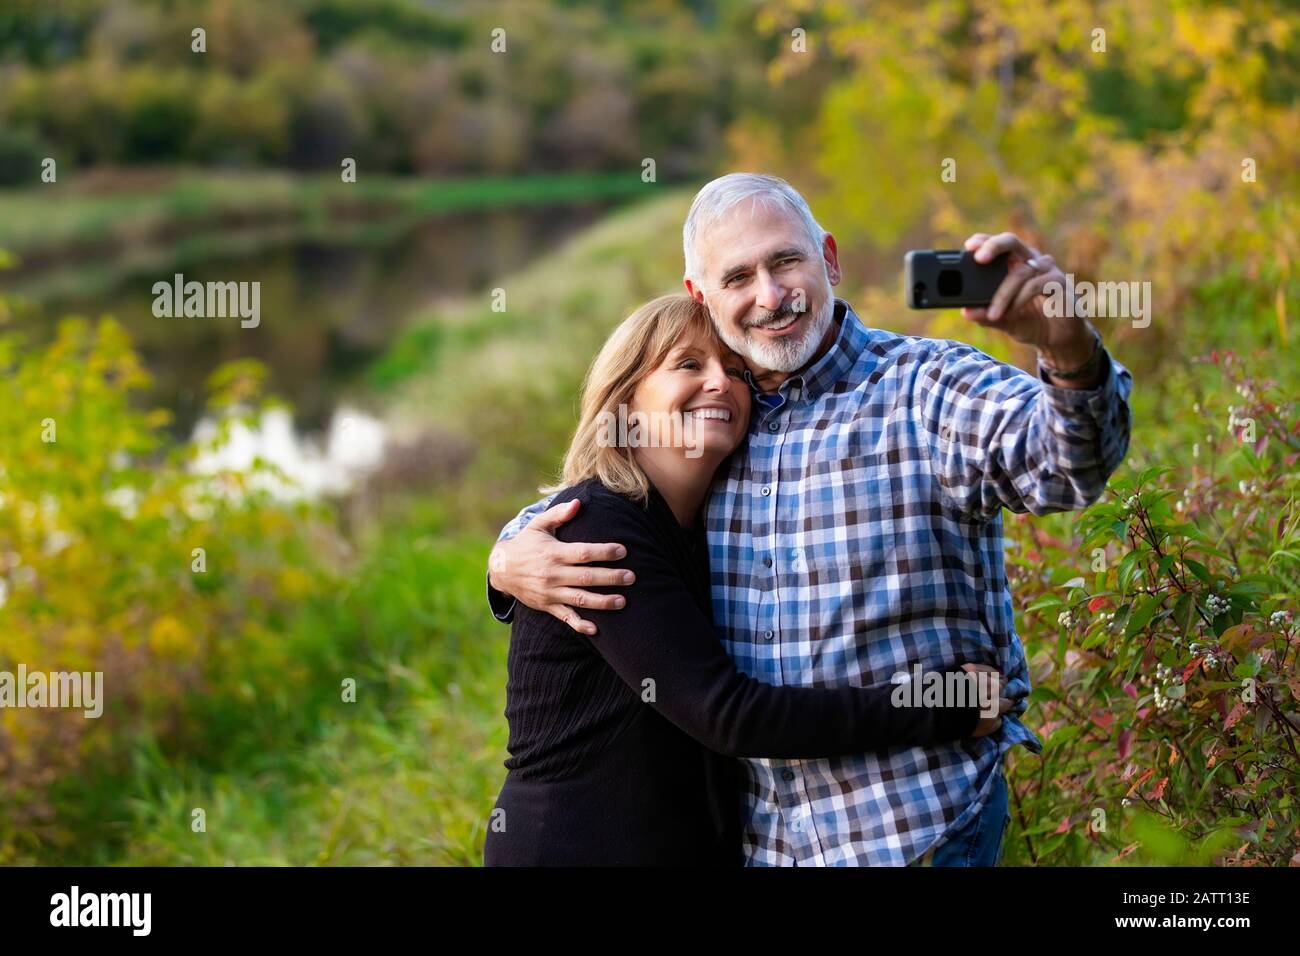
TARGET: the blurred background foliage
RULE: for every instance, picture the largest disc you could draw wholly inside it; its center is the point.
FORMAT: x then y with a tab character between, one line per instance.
1145	618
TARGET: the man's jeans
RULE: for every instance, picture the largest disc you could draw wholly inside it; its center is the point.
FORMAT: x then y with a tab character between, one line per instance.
979	842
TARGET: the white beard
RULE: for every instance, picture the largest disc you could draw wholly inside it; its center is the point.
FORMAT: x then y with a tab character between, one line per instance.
788	354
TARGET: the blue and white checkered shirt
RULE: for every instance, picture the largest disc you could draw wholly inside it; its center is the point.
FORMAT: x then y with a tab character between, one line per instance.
858	534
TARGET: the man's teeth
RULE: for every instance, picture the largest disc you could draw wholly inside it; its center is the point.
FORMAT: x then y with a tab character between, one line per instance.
719	413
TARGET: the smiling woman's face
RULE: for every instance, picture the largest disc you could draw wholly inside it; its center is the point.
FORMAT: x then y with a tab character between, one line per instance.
703	382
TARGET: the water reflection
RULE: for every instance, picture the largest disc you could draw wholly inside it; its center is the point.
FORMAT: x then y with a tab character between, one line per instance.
328	306
353	446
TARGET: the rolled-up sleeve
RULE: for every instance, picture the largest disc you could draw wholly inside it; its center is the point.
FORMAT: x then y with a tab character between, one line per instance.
502	604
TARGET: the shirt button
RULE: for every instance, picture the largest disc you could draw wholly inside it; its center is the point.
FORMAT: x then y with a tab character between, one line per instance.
774	426
768	635
787	775
767	561
766	491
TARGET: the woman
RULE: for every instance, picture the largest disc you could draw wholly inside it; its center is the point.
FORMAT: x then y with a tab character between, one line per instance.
623	746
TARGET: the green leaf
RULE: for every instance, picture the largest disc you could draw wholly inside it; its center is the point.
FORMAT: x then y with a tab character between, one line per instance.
1146	609
1046	601
1128	569
1198	569
1064	735
1184	614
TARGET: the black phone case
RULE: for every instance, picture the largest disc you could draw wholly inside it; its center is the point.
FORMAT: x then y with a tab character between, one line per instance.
950	278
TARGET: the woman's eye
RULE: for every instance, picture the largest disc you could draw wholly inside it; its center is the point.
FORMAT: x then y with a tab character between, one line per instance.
689	364
736	372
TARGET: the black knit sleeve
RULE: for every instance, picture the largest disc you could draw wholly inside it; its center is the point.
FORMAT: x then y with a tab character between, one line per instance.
665	648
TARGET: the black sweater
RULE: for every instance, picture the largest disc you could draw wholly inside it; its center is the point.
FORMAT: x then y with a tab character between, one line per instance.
622	745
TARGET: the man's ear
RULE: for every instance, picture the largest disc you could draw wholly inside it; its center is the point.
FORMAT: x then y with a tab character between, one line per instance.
693	290
831	253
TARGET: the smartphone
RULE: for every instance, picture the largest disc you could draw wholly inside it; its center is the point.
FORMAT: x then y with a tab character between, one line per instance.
950	278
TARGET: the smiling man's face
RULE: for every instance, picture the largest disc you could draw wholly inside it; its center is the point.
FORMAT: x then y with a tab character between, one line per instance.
767	286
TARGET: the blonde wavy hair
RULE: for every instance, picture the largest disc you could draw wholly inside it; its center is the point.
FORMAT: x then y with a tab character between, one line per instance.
633	350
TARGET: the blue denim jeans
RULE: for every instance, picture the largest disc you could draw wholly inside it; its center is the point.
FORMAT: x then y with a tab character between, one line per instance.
979	842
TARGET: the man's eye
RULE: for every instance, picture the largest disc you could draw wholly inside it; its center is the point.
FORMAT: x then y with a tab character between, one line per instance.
786	263
734	281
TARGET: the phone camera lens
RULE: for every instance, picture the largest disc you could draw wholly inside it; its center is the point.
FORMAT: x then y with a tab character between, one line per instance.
949	283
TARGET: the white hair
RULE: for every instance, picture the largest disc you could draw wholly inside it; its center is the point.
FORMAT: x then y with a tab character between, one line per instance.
725	192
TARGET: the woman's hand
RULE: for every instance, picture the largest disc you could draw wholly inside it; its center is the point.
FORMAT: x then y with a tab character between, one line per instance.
988	725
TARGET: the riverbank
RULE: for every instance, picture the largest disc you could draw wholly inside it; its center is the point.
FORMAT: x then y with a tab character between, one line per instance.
101	213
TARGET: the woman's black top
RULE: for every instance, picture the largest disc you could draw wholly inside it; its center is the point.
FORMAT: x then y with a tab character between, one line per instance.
623	746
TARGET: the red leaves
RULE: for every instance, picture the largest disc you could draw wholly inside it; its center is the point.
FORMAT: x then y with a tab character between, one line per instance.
1143	777
1096	604
1124	742
1238	712
1158	791
1125	852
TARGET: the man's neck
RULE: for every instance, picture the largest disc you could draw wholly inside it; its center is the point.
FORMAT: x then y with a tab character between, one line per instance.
769	381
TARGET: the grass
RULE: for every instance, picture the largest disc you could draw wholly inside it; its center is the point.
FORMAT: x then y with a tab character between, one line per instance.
405	775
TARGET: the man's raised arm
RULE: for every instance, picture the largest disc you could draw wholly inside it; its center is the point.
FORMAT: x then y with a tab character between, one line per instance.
528	564
999	437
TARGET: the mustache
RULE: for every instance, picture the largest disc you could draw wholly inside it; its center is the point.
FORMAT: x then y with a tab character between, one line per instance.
779	317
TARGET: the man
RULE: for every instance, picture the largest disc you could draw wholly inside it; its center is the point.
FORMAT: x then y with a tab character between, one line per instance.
859	532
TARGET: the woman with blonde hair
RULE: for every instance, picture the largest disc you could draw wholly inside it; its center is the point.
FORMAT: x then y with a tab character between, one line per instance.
623	747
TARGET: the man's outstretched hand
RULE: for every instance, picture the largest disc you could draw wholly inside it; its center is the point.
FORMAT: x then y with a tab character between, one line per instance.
1018	306
548	575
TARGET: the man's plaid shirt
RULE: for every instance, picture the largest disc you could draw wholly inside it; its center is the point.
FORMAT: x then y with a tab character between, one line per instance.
858	534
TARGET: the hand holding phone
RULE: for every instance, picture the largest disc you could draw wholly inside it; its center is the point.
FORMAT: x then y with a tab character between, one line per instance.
950	278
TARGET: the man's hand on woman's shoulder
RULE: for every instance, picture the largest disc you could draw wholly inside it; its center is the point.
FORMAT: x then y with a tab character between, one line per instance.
550	575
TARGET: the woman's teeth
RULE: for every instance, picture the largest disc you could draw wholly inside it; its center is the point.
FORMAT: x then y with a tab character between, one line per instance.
721	414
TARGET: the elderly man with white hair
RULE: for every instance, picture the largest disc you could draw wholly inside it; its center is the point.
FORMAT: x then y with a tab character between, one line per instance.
857	534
